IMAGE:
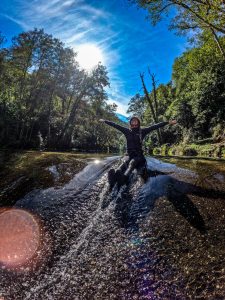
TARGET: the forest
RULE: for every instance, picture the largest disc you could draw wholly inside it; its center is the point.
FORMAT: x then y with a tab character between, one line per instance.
195	95
78	220
47	101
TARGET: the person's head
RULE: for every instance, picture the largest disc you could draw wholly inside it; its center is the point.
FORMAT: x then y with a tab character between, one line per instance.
135	122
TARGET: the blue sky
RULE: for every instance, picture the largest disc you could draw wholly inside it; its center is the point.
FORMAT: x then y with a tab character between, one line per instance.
128	41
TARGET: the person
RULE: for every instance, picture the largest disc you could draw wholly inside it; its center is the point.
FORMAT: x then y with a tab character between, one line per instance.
134	158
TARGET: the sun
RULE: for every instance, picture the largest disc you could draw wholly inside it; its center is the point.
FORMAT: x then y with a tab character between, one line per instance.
88	56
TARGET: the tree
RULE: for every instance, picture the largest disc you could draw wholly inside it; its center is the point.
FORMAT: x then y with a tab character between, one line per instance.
189	15
137	106
45	95
199	80
91	87
153	104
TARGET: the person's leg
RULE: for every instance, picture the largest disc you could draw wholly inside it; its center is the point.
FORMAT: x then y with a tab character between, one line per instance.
142	168
115	175
123	166
111	177
121	169
135	163
141	162
124	172
131	167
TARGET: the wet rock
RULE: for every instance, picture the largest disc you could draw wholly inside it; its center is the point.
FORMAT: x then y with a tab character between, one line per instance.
96	257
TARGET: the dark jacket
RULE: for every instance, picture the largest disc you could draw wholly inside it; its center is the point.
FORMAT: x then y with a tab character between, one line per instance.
135	136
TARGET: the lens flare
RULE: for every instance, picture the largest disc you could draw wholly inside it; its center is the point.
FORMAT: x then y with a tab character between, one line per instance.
21	239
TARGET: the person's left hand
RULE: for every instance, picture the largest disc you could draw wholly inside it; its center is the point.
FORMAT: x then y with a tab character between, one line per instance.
173	122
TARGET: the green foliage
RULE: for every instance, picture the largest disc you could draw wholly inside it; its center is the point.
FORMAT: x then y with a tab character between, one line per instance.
156	151
189	14
47	100
204	141
207	150
199	79
137	106
195	97
165	149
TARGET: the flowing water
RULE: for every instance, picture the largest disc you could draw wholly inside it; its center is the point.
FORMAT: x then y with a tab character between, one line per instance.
162	239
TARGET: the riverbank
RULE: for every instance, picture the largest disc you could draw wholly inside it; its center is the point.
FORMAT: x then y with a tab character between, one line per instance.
22	172
216	150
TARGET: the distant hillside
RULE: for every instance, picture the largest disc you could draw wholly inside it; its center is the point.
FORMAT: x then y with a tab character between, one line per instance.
123	118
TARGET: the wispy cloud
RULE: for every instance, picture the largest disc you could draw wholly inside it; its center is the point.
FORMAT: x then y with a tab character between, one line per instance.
128	43
75	22
62	18
82	24
15	20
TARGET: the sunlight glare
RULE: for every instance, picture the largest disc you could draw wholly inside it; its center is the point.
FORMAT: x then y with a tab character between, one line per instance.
88	56
97	161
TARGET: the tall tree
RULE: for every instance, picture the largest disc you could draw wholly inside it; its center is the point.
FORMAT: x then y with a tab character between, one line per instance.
152	103
91	87
190	15
199	80
137	106
45	95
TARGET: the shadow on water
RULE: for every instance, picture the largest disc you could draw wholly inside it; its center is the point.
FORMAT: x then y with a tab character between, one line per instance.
130	212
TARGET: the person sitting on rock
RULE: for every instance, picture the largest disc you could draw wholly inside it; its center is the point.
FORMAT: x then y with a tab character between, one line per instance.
134	158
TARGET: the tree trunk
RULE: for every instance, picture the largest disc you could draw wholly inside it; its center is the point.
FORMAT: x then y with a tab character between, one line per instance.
155	117
206	22
71	118
156	104
72	115
219	45
148	98
154	93
31	131
26	135
25	72
49	119
21	131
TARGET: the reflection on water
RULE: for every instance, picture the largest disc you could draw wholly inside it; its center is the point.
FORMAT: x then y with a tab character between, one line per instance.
161	183
179	263
201	167
209	173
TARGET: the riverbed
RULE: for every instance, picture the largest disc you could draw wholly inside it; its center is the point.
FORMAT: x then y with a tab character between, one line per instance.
160	239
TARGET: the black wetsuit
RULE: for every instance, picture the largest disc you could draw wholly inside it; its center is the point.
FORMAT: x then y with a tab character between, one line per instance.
134	136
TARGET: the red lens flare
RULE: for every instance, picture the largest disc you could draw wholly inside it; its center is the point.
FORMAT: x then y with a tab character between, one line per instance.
21	239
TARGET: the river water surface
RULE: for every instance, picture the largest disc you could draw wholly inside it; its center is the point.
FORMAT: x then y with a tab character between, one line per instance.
162	239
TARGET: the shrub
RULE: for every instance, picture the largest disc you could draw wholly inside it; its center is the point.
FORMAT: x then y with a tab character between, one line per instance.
190	152
156	151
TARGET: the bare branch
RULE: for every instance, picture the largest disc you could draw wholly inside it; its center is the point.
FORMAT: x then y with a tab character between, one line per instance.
206	22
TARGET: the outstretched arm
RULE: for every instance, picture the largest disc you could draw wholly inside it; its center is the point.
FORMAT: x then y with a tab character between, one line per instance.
147	130
117	126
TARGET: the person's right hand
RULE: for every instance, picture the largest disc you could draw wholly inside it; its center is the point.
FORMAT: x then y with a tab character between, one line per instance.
173	122
101	120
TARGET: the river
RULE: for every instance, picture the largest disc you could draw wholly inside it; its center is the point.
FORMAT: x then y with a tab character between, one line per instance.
163	239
